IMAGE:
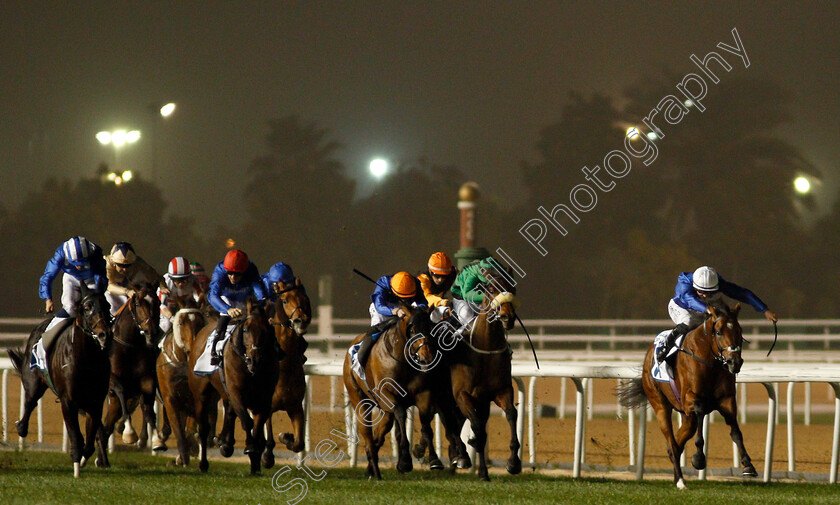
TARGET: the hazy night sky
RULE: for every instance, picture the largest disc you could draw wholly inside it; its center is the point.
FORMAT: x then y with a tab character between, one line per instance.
466	83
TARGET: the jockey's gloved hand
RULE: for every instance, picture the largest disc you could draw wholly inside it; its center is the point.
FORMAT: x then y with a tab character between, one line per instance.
49	307
234	312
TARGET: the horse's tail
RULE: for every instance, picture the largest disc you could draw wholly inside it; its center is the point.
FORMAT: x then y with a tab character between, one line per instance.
16	355
631	393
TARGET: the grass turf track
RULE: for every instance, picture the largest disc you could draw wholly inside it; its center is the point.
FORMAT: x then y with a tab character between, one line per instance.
46	477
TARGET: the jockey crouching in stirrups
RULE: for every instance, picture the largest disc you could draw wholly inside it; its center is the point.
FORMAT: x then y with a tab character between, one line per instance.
436	282
80	260
468	291
126	271
387	300
182	286
694	294
234	280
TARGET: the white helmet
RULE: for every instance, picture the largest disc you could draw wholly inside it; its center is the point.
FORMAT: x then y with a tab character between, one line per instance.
77	250
179	268
705	279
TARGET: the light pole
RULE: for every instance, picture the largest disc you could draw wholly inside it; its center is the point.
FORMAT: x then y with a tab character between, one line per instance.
160	111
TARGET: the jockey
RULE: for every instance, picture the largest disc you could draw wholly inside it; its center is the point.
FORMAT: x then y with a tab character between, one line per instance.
182	285
436	281
126	271
468	290
234	280
80	260
278	278
392	293
200	275
695	293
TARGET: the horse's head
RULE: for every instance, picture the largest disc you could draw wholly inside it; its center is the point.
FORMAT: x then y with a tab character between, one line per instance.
292	307
256	341
95	316
722	324
502	295
420	347
144	307
186	323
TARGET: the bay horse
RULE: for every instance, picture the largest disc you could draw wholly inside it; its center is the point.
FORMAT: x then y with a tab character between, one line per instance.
78	370
245	381
480	365
706	366
133	374
173	376
408	338
291	318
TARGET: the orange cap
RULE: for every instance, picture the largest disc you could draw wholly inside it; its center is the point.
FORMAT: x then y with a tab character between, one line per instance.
403	285
440	264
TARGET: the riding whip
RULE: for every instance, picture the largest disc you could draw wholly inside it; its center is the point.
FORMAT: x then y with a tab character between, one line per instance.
529	340
775	337
363	276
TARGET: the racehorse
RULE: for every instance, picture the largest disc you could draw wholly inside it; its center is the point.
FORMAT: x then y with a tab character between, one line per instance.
408	338
292	315
480	368
136	334
78	371
706	365
246	380
173	375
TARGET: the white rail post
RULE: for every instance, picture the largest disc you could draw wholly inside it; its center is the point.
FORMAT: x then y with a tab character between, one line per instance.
520	418
307	438
590	399
701	475
20	415
5	405
835	444
579	421
807	404
631	429
438	437
679	424
742	408
561	410
772	411
41	420
640	448
333	388
791	456
350	427
532	408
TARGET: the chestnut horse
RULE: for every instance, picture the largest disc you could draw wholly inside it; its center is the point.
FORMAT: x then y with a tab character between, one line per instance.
391	384
133	375
292	316
173	375
706	365
246	381
480	368
78	371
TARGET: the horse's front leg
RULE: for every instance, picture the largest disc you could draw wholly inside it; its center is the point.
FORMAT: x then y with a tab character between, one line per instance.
477	412
294	441
226	438
404	463
505	401
729	409
147	386
698	461
268	454
258	442
70	412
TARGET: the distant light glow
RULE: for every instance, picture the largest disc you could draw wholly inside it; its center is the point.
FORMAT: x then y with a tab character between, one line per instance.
118	138
802	185
378	168
230	243
132	136
652	136
112	176
167	109
118	181
632	132
689	103
104	138
127	176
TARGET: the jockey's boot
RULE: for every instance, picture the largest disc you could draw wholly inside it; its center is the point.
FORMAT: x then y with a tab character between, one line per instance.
221	327
367	345
59	321
679	330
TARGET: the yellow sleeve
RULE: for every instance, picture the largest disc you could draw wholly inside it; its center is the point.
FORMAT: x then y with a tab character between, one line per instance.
432	299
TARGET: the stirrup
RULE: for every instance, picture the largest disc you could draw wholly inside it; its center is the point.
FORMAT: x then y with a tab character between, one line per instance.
662	354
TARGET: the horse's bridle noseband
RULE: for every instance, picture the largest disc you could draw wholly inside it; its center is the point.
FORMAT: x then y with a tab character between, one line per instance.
717	350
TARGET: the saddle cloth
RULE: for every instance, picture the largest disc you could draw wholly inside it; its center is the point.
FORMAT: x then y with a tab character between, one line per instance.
38	358
354	361
663	372
202	364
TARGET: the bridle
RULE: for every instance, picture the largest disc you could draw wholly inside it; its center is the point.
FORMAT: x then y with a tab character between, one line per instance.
717	349
96	303
132	303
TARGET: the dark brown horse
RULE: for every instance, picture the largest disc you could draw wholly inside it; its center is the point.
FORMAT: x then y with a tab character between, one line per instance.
391	384
246	381
173	376
705	380
480	369
292	315
78	369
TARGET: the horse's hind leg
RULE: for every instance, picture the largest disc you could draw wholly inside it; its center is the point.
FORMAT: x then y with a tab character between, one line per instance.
663	418
477	413
729	409
505	401
268	453
149	416
226	437
34	388
698	461
427	414
92	422
404	463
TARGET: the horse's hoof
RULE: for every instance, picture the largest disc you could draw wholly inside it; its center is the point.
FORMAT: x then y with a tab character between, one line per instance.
418	451
250	449
22	429
514	467
485	477
203	466
268	460
435	464
698	461
84	461
101	463
680	484
129	437
749	471
161	447
226	450
463	463
405	466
